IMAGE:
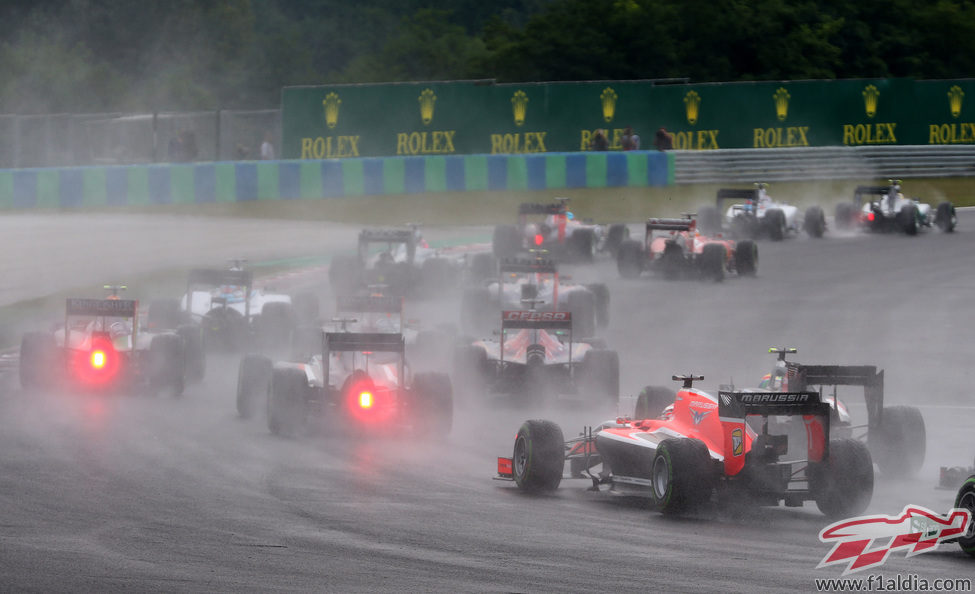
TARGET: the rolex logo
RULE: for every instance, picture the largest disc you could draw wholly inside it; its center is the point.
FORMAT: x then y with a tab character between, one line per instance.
955	95
331	104
427	100
519	105
870	97
692	102
608	99
781	103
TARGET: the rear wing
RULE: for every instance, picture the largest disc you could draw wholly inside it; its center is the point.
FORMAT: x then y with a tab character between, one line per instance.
527	266
384	342
736	194
737	405
539	208
657	224
369	304
217	277
862	191
119	308
802	376
387	235
538	320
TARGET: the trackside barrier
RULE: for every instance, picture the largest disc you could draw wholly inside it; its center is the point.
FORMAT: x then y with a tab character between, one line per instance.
202	183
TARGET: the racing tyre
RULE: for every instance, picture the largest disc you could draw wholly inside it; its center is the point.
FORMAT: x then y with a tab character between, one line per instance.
629	259
672	261
253	381
478	312
436	275
581	245
167	371
712	261
899	443
433	405
907	219
617	234
843	485
845	215
652	401
306	307
164	314
224	329
681	477
38	360
945	217
194	351
276	325
814	223
775	224
582	306
470	367
746	257
539	456
966	500
601	293
506	241
601	375
709	220
286	402
345	274
483	267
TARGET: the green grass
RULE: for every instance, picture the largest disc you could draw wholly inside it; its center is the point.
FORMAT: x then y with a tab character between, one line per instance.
602	204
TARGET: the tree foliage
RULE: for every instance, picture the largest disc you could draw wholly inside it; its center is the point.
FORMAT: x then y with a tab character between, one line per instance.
123	55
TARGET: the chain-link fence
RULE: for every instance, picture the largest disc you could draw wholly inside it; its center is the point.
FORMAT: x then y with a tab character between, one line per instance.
61	140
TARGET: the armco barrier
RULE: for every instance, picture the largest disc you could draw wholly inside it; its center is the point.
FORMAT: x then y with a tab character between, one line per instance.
201	183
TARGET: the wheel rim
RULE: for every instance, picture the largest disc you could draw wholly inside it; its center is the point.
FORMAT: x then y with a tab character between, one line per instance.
521	456
660	477
967	501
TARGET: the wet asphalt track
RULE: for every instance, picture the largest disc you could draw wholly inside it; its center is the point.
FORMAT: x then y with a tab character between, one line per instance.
134	493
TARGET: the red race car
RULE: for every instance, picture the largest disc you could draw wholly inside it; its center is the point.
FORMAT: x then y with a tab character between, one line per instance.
701	446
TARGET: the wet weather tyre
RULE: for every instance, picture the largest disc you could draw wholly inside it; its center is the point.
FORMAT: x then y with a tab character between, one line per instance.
899	444
601	374
672	261
601	294
629	259
843	485
194	351
814	223
253	381
746	257
539	456
652	401
581	245
167	364
582	306
681	477
276	325
433	408
506	241
38	360
712	261
286	402
844	215
164	314
945	217
344	274
775	224
966	500
617	234
483	266
709	220
907	219
224	329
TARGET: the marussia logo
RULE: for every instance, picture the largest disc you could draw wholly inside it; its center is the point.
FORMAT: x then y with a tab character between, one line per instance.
537	316
917	529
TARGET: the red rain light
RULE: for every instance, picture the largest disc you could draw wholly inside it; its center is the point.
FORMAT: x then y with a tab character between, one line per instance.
539	239
870	216
365	399
98	359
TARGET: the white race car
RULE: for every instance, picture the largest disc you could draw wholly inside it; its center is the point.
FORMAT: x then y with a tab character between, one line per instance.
885	208
758	215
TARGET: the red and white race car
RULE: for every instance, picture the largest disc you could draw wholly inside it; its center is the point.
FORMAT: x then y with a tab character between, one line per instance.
703	445
676	248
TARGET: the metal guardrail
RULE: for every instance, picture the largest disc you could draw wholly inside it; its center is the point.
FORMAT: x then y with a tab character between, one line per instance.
796	164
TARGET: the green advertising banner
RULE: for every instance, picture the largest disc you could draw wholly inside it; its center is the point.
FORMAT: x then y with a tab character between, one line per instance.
464	117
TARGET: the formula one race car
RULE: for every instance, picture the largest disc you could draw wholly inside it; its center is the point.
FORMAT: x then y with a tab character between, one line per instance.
535	358
677	249
896	435
536	280
704	445
887	209
101	346
760	216
558	232
405	264
230	315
